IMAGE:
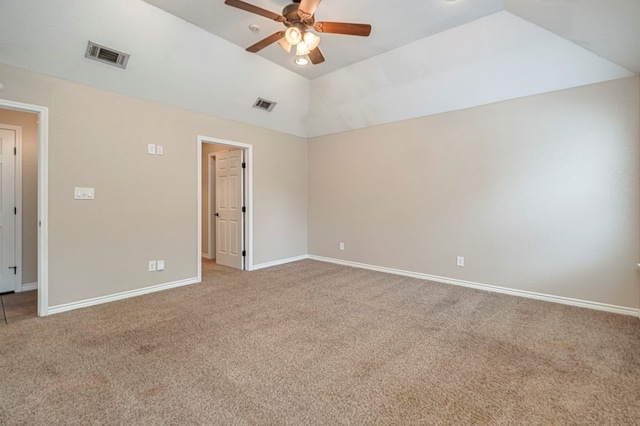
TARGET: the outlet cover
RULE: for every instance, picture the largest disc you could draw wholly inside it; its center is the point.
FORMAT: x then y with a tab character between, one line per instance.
83	193
152	265
160	265
460	261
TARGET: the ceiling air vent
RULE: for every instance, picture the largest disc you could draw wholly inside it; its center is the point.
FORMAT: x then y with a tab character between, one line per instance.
106	55
264	104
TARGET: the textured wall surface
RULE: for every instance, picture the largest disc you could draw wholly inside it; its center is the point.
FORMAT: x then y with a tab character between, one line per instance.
538	194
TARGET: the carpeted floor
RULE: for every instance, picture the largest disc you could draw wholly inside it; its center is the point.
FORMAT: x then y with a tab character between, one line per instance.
316	343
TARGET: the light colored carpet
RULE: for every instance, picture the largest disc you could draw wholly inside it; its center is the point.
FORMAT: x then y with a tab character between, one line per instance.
316	343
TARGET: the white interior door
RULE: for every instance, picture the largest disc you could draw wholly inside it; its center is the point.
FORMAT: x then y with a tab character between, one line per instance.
229	203
8	137
212	206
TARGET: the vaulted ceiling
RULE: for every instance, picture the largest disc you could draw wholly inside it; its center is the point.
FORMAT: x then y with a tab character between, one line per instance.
609	29
423	56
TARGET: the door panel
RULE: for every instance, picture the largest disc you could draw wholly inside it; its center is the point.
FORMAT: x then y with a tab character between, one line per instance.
229	201
7	214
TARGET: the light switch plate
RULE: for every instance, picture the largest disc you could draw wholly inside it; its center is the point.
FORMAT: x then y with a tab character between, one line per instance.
151	149
81	193
160	265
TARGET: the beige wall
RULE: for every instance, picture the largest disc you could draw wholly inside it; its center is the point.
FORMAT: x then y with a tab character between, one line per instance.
29	124
145	206
207	148
538	194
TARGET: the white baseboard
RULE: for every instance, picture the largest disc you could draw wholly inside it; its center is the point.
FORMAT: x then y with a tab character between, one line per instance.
119	296
278	262
206	255
30	286
486	287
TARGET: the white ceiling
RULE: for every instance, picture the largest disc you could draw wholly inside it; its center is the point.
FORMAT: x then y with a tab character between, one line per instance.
421	58
609	29
394	24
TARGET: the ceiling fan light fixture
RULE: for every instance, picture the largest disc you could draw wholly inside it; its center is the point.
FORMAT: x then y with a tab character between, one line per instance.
301	61
286	46
311	40
293	35
298	17
302	49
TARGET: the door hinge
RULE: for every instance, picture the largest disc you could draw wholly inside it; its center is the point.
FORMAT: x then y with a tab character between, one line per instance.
244	209
15	269
15	151
244	165
15	210
244	253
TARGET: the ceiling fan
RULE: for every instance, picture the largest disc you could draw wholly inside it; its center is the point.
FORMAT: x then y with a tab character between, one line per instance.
299	19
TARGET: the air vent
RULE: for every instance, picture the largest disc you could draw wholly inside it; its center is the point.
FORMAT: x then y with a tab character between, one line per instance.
264	104
106	55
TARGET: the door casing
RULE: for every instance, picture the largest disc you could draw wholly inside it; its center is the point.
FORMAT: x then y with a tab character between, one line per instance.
248	219
43	197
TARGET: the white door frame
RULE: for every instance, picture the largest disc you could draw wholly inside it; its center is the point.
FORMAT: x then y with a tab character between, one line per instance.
43	198
17	182
248	149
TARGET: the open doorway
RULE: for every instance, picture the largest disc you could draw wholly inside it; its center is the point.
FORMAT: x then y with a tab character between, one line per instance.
23	135
225	203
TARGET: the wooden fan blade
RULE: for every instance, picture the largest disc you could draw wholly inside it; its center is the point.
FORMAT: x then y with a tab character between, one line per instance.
307	8
316	56
265	42
343	28
255	9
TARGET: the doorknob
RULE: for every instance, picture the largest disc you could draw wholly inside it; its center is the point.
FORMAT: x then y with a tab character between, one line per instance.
217	214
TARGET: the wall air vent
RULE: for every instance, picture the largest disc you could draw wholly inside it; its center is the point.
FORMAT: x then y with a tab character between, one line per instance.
264	104
106	55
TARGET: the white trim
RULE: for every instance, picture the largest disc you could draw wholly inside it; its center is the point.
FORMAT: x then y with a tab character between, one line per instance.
29	287
43	197
486	287
248	150
205	256
279	262
119	296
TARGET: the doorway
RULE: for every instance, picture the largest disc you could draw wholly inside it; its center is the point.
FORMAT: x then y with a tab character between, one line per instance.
38	176
227	236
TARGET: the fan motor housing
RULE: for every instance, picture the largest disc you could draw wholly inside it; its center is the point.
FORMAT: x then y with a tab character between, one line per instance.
291	13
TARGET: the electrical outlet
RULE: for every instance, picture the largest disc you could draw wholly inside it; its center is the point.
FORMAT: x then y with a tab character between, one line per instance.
83	193
160	265
460	261
152	265
159	150
341	246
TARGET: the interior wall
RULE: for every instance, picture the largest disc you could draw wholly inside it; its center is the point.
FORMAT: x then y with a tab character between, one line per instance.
207	148
538	194
145	206
29	209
